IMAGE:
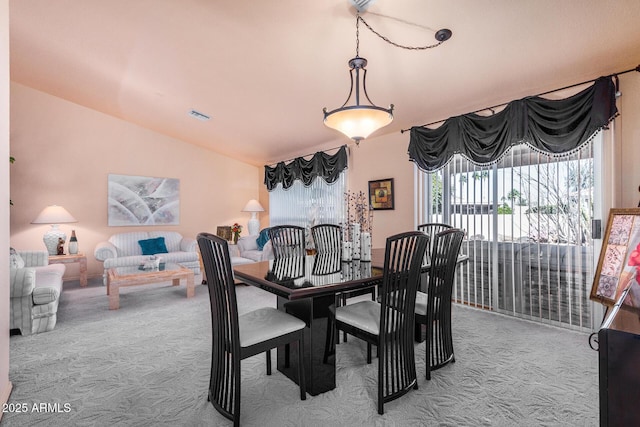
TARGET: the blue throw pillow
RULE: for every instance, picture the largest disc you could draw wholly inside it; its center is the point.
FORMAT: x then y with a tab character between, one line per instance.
153	246
263	238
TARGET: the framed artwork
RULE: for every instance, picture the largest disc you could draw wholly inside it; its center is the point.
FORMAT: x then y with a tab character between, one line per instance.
619	262
381	194
142	200
224	232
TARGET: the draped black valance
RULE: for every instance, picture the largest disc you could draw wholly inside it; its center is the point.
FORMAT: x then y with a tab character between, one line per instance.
550	126
323	165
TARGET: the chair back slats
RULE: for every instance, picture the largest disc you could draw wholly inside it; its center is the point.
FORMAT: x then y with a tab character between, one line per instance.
327	238
404	254
287	241
224	386
446	249
431	229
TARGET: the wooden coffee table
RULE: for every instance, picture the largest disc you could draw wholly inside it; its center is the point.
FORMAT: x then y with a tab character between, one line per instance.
118	277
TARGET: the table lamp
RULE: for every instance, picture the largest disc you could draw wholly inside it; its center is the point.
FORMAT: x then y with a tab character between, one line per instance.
54	215
254	207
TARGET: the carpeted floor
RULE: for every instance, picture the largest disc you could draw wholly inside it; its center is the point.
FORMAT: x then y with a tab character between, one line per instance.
147	364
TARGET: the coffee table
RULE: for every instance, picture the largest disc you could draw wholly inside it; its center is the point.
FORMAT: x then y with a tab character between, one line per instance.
118	277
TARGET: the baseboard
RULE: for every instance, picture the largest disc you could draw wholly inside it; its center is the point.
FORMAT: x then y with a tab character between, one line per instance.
5	397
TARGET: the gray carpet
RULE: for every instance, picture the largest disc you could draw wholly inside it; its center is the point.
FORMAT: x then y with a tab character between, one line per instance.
147	364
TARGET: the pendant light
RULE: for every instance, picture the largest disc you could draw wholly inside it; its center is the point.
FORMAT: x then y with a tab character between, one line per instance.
358	121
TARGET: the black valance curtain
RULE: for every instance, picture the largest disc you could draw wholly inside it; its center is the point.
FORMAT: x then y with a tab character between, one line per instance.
551	126
323	165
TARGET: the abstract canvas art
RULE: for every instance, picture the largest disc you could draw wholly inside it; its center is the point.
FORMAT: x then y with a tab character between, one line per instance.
619	260
142	200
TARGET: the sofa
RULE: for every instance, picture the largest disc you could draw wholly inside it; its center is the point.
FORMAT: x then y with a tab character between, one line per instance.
35	289
126	249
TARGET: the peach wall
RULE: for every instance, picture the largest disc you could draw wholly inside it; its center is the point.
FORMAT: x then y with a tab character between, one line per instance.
5	385
64	153
380	158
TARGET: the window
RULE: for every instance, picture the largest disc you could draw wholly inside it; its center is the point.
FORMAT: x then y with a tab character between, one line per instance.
319	203
528	231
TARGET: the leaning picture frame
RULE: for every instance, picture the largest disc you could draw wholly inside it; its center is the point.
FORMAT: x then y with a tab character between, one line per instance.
619	261
381	194
224	232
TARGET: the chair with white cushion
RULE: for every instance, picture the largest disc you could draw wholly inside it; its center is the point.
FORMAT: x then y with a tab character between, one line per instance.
430	229
433	308
238	337
328	239
388	324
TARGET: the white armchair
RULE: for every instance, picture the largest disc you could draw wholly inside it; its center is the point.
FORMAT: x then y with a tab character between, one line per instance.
35	288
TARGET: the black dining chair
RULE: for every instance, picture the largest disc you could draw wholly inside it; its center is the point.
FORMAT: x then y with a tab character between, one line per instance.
328	238
433	308
234	337
431	229
287	241
388	324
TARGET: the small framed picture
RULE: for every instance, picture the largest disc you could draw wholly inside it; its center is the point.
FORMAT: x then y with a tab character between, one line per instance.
381	194
224	232
619	262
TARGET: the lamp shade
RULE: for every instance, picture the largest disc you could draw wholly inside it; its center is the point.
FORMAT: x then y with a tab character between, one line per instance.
358	121
54	214
253	206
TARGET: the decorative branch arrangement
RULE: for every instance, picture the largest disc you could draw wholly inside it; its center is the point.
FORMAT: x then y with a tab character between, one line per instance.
358	211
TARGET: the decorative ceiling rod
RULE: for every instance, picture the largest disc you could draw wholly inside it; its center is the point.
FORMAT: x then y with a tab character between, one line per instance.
358	121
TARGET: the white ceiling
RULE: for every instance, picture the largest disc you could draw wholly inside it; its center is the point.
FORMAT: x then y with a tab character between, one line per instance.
265	69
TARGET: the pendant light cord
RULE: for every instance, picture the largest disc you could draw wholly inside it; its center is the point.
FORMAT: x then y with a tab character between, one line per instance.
386	39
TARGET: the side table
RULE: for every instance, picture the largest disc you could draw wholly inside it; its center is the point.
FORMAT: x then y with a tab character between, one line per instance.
66	259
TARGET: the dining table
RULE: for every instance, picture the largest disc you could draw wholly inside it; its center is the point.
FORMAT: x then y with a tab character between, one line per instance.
306	287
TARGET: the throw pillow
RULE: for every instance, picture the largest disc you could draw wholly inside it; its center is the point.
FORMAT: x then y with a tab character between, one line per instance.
15	260
263	238
153	246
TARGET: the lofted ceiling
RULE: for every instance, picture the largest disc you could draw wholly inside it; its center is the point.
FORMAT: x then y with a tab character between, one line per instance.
263	70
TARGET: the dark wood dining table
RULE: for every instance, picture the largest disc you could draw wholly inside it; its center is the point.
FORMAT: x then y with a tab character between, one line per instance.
306	287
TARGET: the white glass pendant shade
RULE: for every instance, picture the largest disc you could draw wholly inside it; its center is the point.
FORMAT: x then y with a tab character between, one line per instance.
360	121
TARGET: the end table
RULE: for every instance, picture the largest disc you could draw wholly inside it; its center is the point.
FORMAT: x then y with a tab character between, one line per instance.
68	258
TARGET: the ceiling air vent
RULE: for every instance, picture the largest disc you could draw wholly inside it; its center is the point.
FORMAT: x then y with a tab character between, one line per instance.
362	5
198	115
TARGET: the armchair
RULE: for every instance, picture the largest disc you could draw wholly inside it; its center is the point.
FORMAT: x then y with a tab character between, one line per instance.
35	288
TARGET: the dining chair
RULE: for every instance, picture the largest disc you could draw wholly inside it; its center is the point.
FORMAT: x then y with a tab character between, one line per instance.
388	323
287	241
433	308
431	229
328	238
237	337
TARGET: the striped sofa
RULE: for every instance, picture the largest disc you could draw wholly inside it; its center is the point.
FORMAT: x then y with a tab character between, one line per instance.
123	250
35	292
